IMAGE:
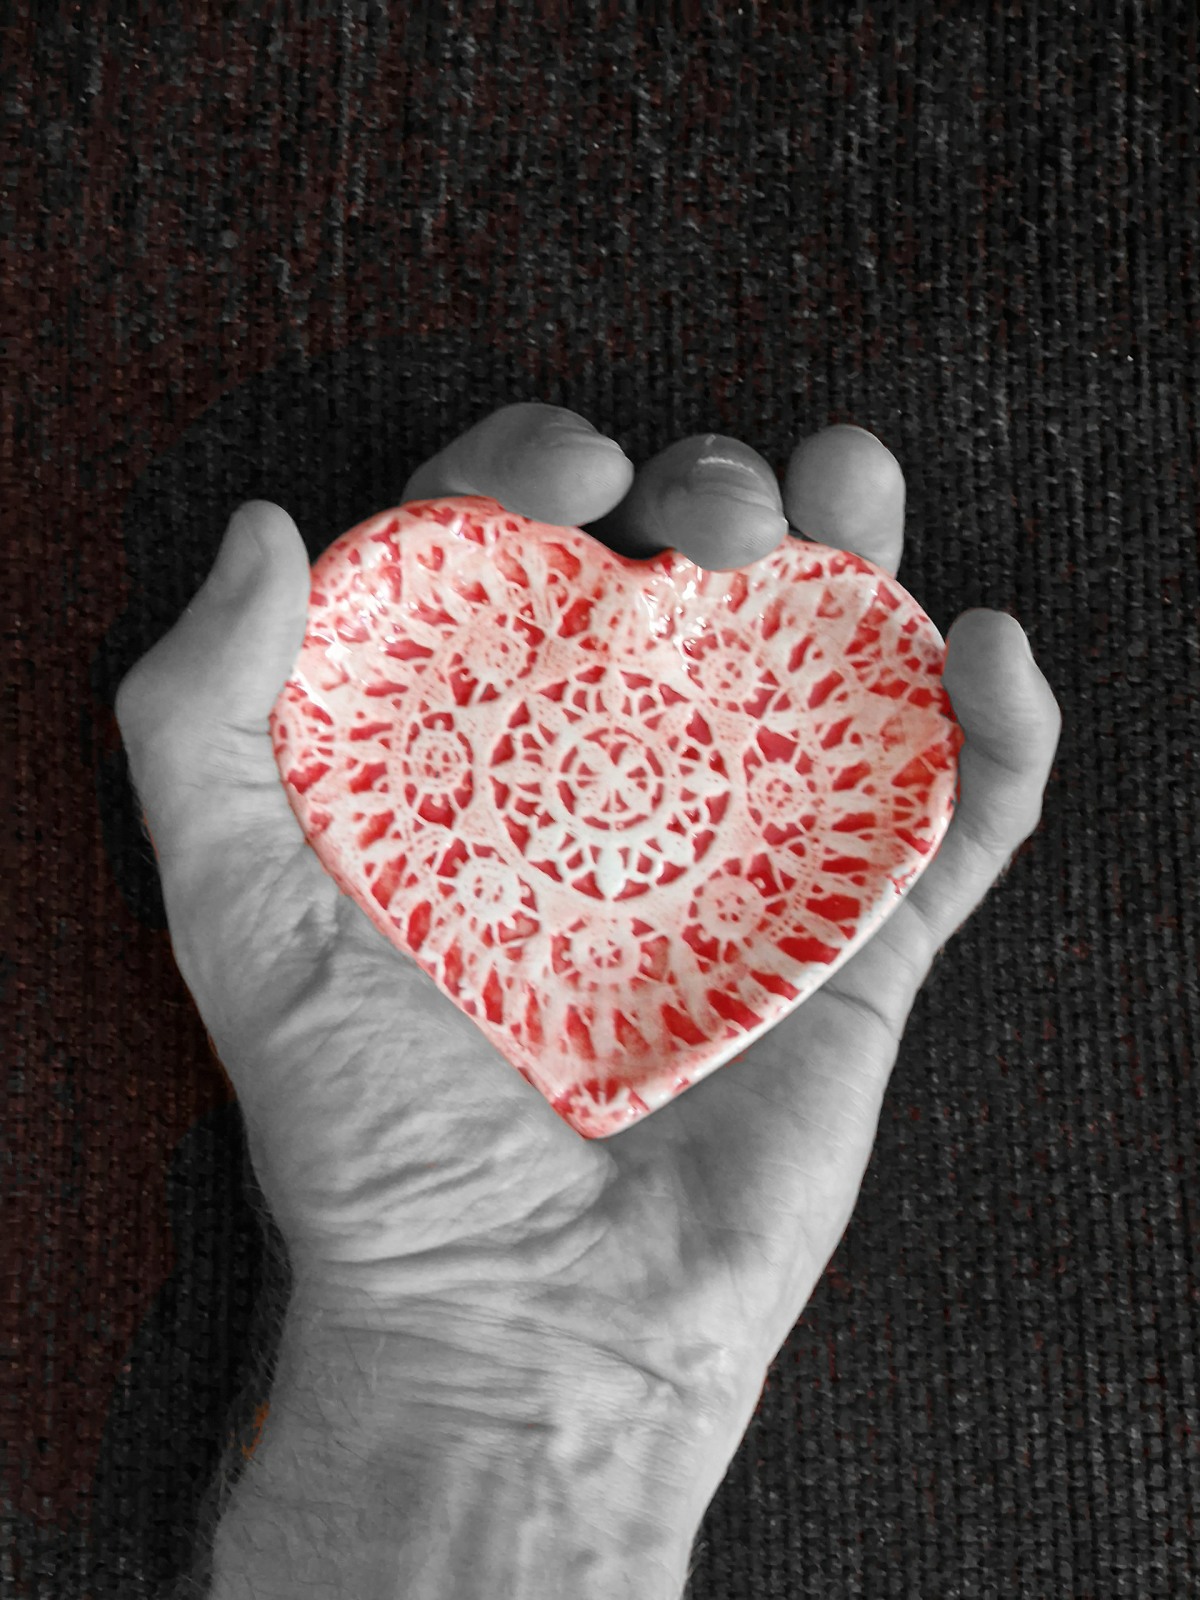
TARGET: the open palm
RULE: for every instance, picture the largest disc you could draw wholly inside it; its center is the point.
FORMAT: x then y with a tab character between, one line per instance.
421	1184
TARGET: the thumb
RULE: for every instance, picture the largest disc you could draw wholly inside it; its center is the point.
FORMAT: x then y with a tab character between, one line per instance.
194	711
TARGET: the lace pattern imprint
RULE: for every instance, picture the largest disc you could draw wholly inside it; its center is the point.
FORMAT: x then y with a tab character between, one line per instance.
626	814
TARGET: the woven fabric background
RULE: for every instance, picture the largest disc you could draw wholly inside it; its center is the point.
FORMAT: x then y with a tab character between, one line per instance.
289	253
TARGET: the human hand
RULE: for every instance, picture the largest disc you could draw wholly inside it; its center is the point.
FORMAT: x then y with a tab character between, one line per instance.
424	1189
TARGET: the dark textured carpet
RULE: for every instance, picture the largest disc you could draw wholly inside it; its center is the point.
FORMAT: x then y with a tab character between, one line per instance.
290	256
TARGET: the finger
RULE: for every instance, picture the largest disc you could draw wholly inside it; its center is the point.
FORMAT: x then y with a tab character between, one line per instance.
1011	722
538	461
844	487
708	496
193	711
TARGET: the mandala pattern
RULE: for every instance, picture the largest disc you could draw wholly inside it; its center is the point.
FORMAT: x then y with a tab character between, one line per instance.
637	809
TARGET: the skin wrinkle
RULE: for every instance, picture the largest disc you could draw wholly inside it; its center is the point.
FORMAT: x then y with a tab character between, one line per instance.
917	965
658	1382
864	1006
769	1101
868	1103
721	494
835	1144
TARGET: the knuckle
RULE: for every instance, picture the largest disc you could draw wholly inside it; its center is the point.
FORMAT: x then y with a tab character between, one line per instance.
1022	814
130	698
138	704
1005	826
1007	794
924	937
912	941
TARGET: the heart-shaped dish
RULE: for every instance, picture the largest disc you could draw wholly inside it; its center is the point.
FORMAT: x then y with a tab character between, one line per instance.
626	814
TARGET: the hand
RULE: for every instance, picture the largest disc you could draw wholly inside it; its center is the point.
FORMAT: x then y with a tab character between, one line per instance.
421	1184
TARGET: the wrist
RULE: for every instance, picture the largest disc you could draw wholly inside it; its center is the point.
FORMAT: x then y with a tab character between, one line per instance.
414	1467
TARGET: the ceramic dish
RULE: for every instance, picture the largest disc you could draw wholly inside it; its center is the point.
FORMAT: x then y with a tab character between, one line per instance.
627	814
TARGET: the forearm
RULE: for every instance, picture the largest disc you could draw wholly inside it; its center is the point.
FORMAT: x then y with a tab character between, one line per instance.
384	1474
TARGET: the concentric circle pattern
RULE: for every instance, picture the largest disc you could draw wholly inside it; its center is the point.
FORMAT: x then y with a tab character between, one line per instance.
627	814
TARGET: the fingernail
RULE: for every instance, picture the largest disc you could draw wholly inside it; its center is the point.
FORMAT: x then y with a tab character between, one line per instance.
717	475
582	438
729	486
719	527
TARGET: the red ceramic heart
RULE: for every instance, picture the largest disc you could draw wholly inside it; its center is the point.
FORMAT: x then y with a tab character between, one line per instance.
627	814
